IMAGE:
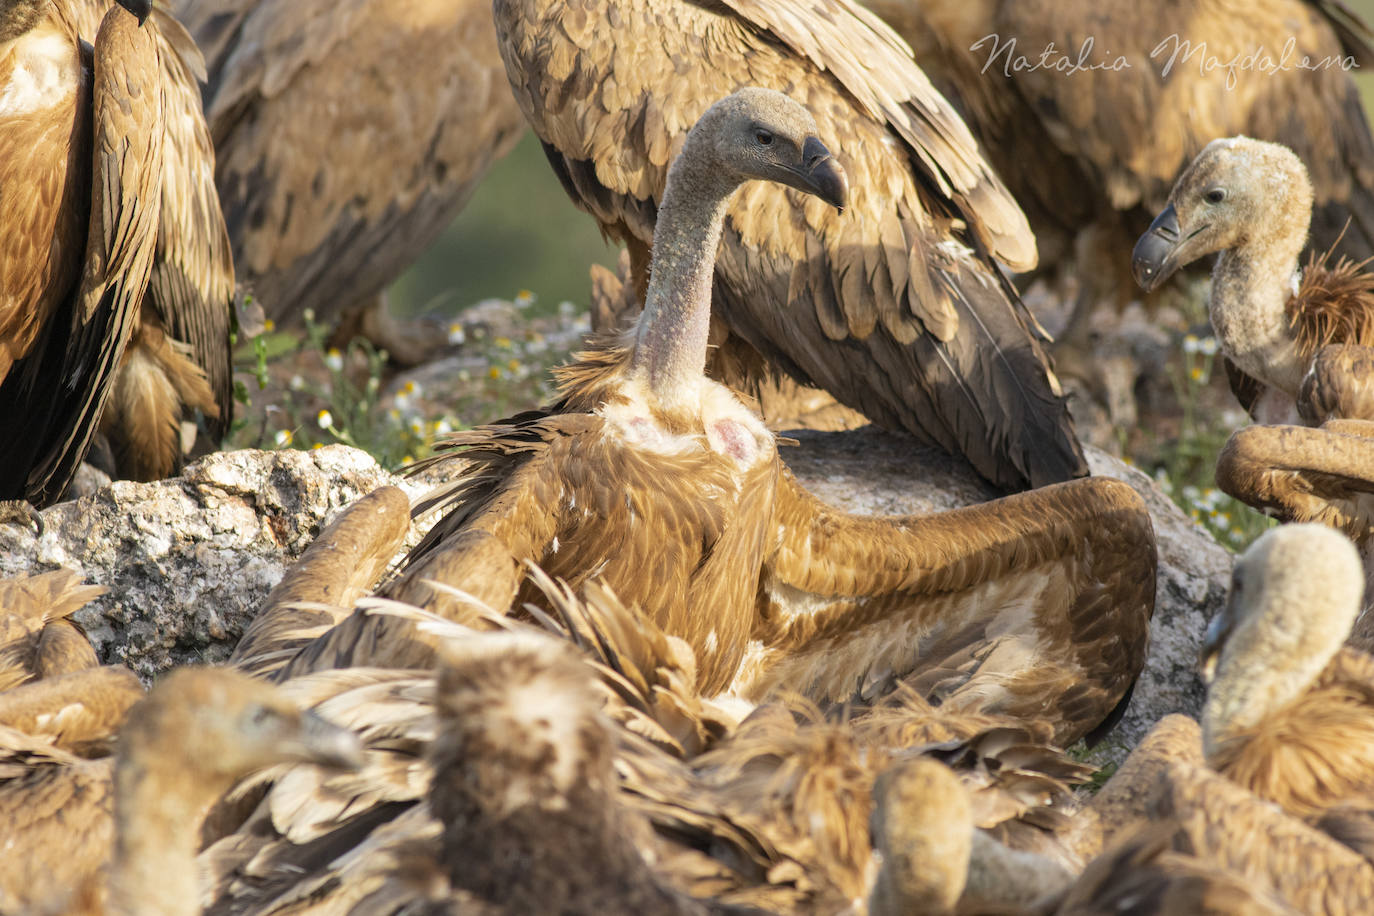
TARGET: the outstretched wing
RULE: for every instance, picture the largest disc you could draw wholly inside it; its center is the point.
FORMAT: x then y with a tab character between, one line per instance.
1036	605
895	305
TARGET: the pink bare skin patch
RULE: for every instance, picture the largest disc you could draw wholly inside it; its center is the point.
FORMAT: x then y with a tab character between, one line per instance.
733	439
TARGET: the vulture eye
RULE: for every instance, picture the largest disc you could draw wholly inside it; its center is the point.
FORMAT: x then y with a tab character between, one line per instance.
1216	195
764	138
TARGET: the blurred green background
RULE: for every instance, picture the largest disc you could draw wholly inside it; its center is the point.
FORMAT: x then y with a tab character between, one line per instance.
520	232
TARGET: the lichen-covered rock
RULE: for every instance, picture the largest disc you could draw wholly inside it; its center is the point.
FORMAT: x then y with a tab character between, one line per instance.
188	560
877	473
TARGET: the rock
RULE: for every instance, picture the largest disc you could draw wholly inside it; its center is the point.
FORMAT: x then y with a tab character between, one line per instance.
871	472
188	560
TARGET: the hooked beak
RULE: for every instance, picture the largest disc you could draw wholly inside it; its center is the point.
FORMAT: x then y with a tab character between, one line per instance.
1217	631
140	8
1153	259
822	175
324	743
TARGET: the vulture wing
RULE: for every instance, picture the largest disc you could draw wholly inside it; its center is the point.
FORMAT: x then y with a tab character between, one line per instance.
1126	128
340	566
407	106
1036	605
79	362
58	812
894	306
1301	474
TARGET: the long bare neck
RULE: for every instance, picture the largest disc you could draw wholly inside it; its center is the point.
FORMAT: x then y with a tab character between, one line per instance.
1251	285
157	825
670	345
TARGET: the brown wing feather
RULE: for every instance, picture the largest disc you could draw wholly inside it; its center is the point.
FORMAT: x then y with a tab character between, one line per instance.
1037	601
293	86
58	814
1226	826
127	110
30	608
80	711
1302	474
1339	385
341	565
892	306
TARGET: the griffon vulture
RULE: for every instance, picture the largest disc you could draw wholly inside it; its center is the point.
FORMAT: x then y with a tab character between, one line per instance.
117	307
661	484
120	834
895	305
1089	111
348	136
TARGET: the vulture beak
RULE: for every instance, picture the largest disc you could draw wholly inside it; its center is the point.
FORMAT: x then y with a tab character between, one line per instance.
140	8
323	743
1153	261
822	175
1217	631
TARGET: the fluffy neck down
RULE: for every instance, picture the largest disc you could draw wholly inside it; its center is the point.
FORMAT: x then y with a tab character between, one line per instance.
1251	285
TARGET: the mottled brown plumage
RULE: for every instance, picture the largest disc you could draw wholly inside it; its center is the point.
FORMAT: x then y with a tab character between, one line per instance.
339	566
1299	474
348	137
895	306
80	711
37	638
663	486
194	735
1227	828
82	151
1252	201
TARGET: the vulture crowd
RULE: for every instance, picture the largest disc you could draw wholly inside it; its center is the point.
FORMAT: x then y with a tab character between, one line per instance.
619	659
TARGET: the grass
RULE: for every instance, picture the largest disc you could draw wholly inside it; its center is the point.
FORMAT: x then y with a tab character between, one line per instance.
297	392
1185	467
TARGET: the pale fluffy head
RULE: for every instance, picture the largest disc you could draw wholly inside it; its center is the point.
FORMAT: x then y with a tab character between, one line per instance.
922	824
1238	192
1295	594
215	725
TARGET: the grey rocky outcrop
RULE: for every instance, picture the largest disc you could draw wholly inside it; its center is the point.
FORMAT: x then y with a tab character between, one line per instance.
188	560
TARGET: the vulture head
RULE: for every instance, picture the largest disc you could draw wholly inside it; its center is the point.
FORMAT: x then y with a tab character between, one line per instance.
520	727
1295	594
140	8
1238	192
763	134
922	824
215	725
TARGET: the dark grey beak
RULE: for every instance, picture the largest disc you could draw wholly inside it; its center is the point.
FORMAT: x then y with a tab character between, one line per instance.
324	743
1212	642
140	8
822	175
1151	261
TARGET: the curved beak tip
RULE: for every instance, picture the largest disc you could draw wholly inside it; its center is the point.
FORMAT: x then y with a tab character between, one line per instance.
1152	256
330	746
139	8
824	174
